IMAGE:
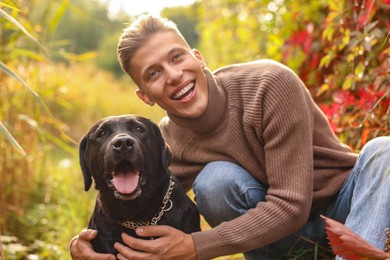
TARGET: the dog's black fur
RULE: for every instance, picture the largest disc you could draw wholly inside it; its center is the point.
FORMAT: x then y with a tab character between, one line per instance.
131	143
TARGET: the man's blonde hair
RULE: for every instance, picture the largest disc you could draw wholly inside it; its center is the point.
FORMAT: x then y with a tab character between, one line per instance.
140	31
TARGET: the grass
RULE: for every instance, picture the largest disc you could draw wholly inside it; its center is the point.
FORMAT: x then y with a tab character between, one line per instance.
85	94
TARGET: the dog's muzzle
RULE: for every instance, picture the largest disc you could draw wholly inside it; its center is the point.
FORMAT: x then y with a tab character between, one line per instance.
125	172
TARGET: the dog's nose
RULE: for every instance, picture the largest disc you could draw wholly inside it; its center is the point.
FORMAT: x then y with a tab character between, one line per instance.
123	143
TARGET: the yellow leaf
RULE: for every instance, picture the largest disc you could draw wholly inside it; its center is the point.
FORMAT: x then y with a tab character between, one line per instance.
322	89
359	70
347	84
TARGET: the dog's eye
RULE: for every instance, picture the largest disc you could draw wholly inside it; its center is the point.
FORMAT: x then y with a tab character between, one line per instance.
101	133
139	129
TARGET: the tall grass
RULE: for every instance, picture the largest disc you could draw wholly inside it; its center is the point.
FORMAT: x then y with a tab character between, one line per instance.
86	94
21	108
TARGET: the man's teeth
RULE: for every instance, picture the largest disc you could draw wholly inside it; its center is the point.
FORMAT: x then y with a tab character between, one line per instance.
184	91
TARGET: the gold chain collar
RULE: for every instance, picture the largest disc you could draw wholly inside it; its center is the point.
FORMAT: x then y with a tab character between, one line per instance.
135	224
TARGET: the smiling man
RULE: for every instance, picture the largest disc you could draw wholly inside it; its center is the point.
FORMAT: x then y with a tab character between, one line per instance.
257	151
173	77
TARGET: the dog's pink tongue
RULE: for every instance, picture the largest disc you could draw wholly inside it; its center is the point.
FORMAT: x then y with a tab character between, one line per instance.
126	182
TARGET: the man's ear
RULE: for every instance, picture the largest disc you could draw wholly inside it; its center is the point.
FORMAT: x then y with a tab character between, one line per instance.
141	95
199	57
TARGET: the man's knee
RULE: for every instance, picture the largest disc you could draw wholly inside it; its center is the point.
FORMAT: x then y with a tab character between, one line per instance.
212	182
374	155
373	164
379	146
216	176
224	190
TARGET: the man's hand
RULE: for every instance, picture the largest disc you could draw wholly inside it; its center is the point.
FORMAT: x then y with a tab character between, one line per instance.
170	244
81	247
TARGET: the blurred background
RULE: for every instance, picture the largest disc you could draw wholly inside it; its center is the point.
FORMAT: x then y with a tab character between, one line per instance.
59	74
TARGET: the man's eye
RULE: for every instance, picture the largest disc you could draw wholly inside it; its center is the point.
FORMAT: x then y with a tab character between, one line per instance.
177	56
152	74
101	133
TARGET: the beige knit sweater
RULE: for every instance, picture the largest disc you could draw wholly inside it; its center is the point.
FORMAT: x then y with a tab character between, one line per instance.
261	116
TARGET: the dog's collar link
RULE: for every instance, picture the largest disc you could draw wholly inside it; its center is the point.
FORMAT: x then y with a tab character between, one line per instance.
135	224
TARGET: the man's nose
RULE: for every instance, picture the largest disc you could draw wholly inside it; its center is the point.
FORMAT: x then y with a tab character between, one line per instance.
174	74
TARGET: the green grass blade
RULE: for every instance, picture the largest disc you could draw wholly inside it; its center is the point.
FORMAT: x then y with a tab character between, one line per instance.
58	15
9	6
7	70
22	28
11	139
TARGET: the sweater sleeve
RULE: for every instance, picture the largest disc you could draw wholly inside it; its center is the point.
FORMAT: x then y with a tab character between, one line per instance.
285	129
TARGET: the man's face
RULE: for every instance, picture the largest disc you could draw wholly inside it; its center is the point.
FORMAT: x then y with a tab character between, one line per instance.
170	74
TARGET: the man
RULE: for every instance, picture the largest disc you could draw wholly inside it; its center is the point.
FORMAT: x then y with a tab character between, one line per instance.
257	151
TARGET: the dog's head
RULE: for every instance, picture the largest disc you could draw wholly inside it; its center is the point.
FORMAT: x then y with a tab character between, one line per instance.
122	154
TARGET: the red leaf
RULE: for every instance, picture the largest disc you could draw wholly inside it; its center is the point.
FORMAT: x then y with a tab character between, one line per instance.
349	245
298	38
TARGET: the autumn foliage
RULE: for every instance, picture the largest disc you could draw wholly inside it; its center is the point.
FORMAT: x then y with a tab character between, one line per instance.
347	66
339	48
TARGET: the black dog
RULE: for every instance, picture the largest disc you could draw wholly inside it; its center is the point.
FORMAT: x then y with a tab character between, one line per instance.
128	160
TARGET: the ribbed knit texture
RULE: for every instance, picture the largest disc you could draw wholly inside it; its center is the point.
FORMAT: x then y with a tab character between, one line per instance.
261	116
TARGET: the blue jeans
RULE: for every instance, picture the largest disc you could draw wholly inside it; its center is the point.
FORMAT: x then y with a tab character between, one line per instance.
224	191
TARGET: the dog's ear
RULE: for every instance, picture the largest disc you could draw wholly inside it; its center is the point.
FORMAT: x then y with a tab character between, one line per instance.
83	164
166	156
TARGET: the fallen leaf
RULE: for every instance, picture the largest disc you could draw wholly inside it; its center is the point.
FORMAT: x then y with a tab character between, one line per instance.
349	245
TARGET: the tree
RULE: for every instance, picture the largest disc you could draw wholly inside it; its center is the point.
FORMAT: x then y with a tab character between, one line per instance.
186	19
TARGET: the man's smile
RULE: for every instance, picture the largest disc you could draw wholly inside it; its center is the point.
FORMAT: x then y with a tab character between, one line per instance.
184	92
